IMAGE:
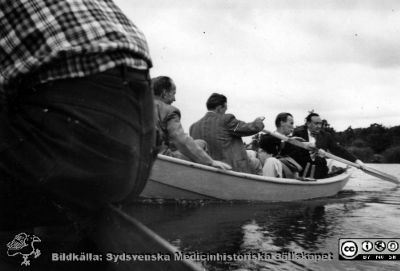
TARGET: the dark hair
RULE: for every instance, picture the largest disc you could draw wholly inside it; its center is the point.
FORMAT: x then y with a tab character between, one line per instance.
308	118
282	117
215	100
160	83
270	144
254	145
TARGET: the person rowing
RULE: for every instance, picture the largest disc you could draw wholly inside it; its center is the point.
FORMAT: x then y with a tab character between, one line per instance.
274	153
317	138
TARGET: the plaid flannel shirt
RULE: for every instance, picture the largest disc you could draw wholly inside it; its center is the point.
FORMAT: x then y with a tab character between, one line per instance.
56	39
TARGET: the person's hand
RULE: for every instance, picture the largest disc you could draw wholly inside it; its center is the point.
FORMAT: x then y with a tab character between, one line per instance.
321	153
297	138
360	163
310	146
220	165
259	122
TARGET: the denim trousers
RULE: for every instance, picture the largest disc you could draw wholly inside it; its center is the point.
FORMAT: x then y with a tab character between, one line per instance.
81	142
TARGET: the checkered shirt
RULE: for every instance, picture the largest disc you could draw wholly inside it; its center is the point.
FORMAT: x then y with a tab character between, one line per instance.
56	39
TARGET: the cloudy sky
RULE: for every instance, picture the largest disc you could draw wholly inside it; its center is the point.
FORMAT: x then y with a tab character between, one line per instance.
340	58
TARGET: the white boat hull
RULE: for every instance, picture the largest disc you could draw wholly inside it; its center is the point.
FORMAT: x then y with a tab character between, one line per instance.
173	178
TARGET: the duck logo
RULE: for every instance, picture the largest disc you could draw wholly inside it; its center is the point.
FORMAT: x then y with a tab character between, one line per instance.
24	244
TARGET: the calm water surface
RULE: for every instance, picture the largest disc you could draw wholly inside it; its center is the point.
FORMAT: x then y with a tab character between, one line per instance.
366	208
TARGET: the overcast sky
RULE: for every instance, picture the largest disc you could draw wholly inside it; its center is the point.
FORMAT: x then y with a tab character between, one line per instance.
340	58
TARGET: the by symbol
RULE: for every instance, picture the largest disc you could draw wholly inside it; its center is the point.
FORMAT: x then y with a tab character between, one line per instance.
367	246
380	246
393	246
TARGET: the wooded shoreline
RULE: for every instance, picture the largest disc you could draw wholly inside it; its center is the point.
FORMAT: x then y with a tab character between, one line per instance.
375	144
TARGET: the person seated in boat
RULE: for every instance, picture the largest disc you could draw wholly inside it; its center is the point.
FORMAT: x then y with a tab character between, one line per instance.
275	165
312	133
284	125
254	143
223	134
252	153
171	138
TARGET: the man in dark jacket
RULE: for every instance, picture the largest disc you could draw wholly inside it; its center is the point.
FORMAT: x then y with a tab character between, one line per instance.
312	133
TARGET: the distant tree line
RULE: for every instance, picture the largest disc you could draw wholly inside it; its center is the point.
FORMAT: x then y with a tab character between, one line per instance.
375	144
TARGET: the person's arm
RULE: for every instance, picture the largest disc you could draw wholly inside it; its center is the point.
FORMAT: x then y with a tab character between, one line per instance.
189	148
293	150
241	128
335	148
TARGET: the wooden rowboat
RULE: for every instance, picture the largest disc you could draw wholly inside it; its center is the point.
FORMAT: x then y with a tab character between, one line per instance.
173	178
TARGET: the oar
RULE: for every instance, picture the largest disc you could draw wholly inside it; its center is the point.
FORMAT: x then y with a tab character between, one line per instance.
119	233
368	170
118	240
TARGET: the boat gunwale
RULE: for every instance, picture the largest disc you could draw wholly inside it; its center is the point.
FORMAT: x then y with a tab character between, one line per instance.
253	177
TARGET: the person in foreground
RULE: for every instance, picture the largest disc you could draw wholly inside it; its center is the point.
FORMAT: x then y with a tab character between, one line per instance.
223	134
317	138
78	130
173	140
